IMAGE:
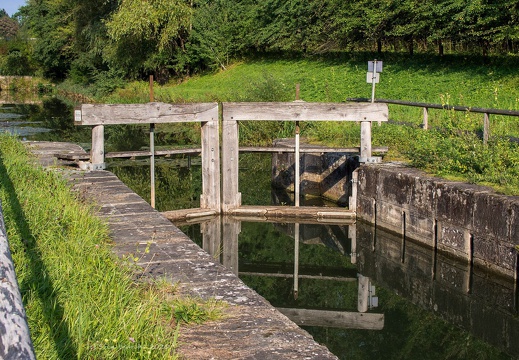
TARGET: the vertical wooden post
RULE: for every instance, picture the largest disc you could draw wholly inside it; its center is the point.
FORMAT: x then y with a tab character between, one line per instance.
231	198
212	237
365	141
152	151
231	230
210	198
352	234
425	118
352	203
486	128
97	153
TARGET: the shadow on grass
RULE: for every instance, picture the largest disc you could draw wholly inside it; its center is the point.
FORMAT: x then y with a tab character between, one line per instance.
39	281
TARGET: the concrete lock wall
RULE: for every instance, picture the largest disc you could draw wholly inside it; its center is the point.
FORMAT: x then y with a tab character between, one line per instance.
322	174
467	221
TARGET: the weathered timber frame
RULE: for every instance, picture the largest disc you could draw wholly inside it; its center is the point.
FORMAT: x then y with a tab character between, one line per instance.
288	111
99	115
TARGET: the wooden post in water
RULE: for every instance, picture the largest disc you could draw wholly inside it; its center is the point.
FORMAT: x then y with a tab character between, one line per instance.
152	151
230	153
210	199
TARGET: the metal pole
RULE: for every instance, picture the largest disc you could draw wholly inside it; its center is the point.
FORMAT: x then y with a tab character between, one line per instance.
152	150
373	78
296	260
296	158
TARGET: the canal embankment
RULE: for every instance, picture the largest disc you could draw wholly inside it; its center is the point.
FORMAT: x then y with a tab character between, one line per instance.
467	221
250	327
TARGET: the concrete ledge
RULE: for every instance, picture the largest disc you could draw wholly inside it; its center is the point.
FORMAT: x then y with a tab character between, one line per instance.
251	327
467	221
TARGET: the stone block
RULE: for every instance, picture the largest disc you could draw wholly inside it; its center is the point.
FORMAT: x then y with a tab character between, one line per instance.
366	208
492	215
454	238
394	186
455	203
419	228
389	215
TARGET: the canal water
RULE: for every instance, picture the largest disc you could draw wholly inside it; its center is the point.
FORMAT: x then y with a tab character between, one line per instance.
360	291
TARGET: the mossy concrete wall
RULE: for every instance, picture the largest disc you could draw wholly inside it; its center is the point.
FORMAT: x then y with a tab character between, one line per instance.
467	221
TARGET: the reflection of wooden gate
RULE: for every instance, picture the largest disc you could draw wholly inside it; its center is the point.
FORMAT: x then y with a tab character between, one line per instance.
295	112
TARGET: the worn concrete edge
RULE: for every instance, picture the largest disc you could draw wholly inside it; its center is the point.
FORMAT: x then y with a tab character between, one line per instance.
253	329
15	338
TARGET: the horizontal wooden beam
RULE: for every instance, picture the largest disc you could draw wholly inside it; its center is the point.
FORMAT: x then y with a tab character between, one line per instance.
112	114
303	111
335	319
265	213
308	277
281	149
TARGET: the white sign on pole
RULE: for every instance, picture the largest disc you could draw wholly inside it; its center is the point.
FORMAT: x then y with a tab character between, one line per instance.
378	66
370	79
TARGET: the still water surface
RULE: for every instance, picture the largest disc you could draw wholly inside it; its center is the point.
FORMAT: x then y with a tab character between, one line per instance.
382	300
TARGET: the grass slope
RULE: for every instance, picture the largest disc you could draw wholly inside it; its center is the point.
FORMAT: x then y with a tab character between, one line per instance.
81	301
453	146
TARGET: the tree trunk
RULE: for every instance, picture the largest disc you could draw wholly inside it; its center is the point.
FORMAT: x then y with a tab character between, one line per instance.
379	46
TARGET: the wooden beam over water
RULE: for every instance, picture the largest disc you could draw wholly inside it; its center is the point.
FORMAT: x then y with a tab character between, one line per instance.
303	111
154	112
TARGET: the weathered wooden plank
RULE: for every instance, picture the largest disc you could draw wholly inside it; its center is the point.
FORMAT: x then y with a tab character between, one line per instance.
335	319
303	111
316	149
15	340
231	198
210	198
309	277
290	212
155	112
190	215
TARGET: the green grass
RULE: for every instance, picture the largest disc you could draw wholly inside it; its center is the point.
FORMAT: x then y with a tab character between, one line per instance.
81	301
452	146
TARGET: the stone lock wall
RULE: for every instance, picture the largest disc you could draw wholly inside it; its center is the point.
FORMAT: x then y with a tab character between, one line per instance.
322	174
467	221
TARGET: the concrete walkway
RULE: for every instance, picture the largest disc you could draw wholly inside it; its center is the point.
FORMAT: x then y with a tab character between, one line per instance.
251	328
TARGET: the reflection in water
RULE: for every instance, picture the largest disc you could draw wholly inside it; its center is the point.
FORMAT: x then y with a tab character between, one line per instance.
339	274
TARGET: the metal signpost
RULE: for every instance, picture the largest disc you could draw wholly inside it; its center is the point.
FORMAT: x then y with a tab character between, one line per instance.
373	76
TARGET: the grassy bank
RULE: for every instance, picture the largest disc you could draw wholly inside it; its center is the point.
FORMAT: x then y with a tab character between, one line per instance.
451	148
81	301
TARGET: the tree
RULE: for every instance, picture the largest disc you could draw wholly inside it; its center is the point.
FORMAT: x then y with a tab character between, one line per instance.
156	28
8	27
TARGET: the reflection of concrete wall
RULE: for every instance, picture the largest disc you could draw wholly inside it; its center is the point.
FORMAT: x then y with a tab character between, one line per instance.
479	303
322	174
468	221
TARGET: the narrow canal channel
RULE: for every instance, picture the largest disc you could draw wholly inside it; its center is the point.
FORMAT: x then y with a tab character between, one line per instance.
355	288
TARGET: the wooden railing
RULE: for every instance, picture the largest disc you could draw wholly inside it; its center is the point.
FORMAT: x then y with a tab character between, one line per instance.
426	106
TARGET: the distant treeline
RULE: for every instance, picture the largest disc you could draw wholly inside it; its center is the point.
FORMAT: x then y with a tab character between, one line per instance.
102	41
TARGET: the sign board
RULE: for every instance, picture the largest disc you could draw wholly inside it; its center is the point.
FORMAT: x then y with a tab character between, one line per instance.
370	79
371	65
77	115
